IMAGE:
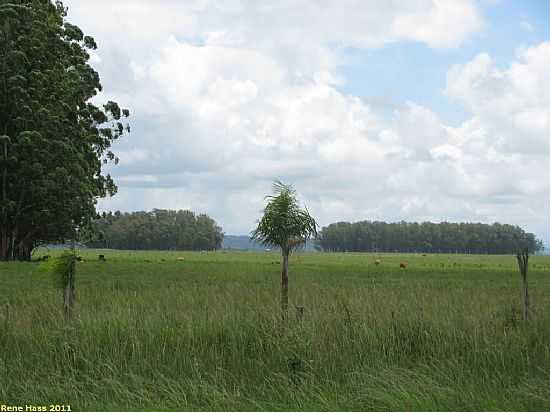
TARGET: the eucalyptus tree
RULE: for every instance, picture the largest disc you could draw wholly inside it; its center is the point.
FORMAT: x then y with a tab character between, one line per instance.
53	140
286	225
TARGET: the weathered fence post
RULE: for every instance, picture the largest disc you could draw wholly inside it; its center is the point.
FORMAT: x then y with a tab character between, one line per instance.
523	261
300	312
68	293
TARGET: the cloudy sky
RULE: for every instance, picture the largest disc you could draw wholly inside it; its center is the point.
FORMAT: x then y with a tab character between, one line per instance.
392	110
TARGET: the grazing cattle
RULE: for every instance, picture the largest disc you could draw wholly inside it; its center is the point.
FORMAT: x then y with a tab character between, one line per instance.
296	241
377	262
102	258
147	260
181	258
79	258
403	265
45	257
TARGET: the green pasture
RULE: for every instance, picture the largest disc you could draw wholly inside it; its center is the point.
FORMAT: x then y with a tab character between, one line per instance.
173	331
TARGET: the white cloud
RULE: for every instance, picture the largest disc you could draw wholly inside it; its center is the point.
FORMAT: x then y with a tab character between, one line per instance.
512	103
228	96
431	24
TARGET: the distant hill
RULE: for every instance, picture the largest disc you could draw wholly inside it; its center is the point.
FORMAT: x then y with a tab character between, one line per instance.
240	242
243	242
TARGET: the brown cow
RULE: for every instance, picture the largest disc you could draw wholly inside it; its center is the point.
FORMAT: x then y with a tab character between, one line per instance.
403	265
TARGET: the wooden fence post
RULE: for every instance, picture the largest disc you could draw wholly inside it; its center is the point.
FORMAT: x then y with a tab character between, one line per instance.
523	261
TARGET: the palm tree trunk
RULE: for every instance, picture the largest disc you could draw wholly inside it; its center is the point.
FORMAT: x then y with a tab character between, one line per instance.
284	284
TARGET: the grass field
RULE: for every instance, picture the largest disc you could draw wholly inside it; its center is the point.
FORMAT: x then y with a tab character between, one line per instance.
204	334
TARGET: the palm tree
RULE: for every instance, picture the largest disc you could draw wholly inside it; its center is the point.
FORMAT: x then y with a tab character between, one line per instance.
286	225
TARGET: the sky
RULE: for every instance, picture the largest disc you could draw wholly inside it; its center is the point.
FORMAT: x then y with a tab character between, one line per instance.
416	110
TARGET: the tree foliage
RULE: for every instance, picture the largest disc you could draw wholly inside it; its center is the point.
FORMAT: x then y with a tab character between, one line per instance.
284	223
53	140
61	268
425	237
156	230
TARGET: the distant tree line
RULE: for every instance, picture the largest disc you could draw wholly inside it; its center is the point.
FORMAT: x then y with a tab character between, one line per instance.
425	237
155	230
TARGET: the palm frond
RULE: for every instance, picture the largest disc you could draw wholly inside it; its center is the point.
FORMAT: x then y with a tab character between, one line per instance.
284	221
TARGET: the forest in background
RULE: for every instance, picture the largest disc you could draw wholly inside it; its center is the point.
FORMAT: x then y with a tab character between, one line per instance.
426	237
185	230
155	230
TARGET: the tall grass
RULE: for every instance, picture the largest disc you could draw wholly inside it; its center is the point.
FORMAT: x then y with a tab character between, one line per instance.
205	334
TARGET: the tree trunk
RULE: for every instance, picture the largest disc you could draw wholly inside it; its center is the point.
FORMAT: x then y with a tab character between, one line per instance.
284	283
4	244
4	240
22	251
